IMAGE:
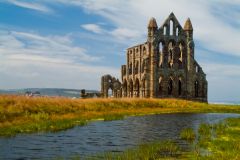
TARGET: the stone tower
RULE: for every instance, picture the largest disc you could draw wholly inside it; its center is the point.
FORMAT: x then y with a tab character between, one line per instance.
162	67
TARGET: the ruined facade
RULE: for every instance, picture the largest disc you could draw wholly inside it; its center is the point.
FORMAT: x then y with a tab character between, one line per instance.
162	67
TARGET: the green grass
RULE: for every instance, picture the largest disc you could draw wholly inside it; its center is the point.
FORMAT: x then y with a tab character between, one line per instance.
188	134
112	117
150	151
219	141
19	114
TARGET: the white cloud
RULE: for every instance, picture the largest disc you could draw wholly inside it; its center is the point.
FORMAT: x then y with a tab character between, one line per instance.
212	31
22	45
30	5
34	60
32	74
118	33
124	33
133	15
93	28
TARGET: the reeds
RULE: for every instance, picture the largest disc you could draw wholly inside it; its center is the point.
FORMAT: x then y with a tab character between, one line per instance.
218	141
188	134
150	151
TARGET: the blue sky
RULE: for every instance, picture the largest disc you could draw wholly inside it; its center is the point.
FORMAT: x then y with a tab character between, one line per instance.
71	43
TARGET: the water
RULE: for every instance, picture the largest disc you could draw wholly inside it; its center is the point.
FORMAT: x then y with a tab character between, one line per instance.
101	136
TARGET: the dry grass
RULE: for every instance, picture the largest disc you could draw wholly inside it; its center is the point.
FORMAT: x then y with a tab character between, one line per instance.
19	114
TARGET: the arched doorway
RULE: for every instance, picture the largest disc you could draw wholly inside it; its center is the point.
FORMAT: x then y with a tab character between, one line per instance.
170	87
110	92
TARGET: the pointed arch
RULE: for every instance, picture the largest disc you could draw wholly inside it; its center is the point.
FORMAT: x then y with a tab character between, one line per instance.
144	50
110	92
161	47
136	67
171	45
160	86
171	27
130	68
165	30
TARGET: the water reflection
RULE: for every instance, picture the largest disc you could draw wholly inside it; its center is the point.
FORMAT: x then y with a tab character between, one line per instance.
103	136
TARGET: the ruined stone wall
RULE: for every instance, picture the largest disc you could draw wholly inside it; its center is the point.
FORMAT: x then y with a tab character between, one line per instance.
163	66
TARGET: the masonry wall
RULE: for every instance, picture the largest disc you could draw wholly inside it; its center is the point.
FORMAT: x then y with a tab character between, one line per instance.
162	67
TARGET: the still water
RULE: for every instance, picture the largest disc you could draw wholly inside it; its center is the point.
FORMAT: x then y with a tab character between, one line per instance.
101	136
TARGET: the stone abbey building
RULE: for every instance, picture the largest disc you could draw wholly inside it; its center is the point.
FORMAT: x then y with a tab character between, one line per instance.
162	67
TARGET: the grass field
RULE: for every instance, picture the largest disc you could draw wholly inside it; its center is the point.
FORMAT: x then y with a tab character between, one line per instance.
19	114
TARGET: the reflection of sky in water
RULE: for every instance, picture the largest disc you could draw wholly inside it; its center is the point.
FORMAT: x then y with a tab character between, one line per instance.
103	136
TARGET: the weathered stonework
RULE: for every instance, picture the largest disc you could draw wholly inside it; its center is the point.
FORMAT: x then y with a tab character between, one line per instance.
162	67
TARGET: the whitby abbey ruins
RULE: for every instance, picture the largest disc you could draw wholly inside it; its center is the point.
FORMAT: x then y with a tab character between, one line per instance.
162	67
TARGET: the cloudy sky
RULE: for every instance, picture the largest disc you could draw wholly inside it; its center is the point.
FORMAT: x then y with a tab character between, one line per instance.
71	43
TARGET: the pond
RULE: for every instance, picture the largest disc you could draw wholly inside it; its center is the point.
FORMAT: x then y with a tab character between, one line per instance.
99	136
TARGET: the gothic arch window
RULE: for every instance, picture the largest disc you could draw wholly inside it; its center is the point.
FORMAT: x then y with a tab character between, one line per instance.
179	87
142	67
197	69
137	87
171	27
170	86
144	50
130	69
177	31
161	54
164	30
160	48
170	54
181	46
136	67
196	88
160	87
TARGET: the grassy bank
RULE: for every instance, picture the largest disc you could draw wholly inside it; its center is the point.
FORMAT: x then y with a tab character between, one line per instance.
20	114
219	141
